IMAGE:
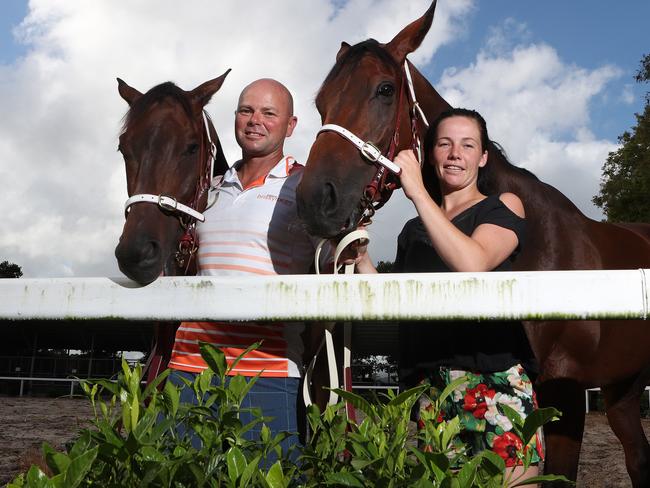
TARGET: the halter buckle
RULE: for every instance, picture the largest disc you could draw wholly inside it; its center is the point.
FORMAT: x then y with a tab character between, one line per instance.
166	206
370	152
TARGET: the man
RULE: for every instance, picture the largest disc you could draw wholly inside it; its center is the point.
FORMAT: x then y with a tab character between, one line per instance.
252	229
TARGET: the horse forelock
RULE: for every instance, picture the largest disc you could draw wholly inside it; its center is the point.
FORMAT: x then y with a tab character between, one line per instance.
154	95
349	61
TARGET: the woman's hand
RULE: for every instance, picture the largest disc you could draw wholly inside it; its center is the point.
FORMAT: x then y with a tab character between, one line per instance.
411	175
356	253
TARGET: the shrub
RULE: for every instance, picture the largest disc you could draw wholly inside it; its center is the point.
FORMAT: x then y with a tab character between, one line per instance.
135	441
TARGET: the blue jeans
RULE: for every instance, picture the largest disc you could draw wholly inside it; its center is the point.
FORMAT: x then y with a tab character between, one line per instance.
276	397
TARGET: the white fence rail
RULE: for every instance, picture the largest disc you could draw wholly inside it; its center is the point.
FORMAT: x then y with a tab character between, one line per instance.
619	294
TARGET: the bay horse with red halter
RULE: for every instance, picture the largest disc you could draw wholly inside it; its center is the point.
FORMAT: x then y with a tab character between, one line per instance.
171	151
366	97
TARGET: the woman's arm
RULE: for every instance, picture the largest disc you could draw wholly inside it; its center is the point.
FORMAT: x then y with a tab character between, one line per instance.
487	247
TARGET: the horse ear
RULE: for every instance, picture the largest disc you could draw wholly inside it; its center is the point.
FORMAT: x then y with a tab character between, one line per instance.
344	49
410	38
128	93
202	94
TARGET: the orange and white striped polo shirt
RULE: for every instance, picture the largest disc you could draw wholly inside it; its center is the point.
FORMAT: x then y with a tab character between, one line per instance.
250	232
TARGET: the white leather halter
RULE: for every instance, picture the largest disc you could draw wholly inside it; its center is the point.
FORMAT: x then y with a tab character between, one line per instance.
368	149
171	204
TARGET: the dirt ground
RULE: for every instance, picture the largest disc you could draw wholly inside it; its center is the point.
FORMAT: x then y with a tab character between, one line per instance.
27	422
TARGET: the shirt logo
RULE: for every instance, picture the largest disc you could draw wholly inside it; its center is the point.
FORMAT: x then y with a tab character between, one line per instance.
274	198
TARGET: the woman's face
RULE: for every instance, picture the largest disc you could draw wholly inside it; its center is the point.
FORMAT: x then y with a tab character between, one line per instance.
457	152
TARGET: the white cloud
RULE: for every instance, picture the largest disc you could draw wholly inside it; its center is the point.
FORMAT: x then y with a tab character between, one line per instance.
627	95
64	183
537	107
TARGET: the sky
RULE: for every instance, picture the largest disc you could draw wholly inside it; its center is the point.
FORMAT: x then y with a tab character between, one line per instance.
554	80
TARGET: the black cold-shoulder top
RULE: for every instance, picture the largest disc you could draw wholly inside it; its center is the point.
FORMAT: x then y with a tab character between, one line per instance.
488	346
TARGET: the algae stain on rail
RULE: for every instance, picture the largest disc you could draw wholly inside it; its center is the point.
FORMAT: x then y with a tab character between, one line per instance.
202	285
368	300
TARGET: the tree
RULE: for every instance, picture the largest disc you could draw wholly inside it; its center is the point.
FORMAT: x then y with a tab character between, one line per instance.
644	71
384	266
10	270
625	187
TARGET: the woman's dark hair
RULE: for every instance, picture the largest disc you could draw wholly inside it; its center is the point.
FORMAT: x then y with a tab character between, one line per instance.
428	171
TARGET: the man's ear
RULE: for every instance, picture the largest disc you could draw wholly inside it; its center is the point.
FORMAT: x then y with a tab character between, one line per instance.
293	121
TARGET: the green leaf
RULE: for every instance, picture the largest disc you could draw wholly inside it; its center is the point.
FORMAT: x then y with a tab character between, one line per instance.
251	469
436	464
343	479
152	387
81	445
449	389
275	477
236	463
513	416
203	381
357	401
149	453
36	478
237	385
537	419
55	460
451	430
467	473
215	358
172	397
493	462
250	348
79	467
540	479
413	393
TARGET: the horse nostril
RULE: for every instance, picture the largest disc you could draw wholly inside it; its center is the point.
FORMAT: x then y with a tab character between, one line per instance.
329	200
150	251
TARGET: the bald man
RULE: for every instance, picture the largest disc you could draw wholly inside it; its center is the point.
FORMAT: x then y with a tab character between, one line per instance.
251	229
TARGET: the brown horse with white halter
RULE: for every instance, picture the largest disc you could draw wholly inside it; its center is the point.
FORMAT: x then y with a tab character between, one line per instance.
172	152
367	97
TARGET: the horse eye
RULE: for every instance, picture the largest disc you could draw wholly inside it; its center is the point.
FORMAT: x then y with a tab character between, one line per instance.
192	149
385	90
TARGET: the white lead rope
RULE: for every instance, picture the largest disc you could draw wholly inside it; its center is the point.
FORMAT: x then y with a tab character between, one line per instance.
328	340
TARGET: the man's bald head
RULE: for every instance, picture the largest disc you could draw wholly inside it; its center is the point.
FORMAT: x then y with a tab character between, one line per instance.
264	119
274	85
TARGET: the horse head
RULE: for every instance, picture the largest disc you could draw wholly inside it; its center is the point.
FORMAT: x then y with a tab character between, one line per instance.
365	111
171	152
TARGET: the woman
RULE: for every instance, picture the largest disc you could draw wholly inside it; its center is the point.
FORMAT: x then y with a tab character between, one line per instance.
462	227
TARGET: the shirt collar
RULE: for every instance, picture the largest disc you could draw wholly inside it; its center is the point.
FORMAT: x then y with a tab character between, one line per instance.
281	170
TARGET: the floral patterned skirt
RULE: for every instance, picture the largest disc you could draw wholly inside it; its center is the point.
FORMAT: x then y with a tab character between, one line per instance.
476	403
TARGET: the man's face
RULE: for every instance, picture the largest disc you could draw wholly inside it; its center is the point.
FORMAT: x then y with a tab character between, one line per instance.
262	120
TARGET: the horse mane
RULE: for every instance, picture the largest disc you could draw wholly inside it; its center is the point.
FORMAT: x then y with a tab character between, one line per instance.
500	151
156	94
348	61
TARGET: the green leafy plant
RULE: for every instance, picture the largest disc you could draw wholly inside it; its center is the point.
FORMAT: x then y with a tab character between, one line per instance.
135	439
381	451
143	437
